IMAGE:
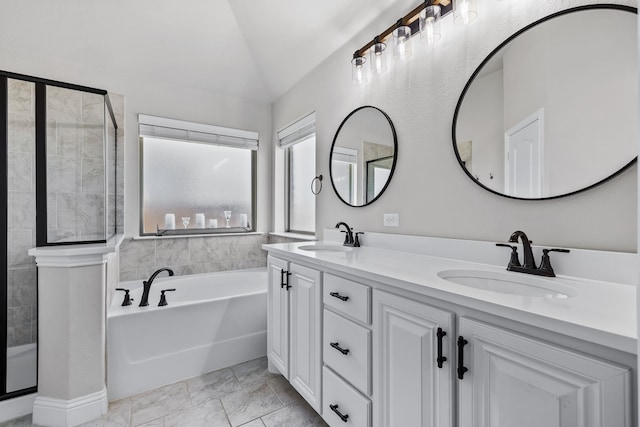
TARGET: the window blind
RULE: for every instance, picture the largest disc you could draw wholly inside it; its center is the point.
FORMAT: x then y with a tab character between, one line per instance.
298	131
161	127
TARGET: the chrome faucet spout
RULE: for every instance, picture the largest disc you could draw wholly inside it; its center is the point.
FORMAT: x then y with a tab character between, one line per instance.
529	262
144	300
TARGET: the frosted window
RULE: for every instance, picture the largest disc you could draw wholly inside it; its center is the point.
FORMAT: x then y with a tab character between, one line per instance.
302	167
187	178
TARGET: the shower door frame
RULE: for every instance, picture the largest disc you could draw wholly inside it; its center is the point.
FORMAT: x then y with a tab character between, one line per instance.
40	196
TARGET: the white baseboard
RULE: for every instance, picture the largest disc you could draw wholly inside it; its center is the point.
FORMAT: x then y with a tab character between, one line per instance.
52	412
16	407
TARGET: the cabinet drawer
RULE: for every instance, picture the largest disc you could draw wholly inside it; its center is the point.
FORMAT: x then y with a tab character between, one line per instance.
350	298
343	336
345	401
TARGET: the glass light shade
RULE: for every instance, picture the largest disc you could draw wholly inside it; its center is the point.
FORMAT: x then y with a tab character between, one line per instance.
430	24
358	71
377	58
402	42
464	11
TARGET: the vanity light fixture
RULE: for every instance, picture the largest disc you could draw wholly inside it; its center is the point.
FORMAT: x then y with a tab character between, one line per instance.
401	31
430	24
376	58
358	71
464	11
402	41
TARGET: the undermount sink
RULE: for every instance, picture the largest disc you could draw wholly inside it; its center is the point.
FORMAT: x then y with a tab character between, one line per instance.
508	283
325	248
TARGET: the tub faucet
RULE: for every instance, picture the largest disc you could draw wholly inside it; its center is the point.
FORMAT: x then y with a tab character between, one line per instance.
144	300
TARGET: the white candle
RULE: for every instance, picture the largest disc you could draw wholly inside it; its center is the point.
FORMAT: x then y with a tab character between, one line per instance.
213	223
169	222
243	220
199	220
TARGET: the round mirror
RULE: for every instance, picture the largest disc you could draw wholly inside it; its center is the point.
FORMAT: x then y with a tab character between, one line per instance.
363	156
553	110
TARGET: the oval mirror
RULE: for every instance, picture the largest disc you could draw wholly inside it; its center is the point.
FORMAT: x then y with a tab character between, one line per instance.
363	156
553	110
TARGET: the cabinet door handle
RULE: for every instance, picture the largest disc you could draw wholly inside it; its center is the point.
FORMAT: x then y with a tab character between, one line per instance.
441	359
337	295
287	285
336	345
343	417
283	274
461	369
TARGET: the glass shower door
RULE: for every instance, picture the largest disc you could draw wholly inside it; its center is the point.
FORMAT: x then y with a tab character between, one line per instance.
21	293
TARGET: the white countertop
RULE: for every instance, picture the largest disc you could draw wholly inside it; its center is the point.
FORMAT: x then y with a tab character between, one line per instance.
596	311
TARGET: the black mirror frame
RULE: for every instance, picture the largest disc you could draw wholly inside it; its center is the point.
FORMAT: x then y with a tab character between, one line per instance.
395	155
489	57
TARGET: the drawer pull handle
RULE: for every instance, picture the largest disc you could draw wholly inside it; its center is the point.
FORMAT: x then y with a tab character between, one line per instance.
461	369
336	345
441	359
337	295
343	417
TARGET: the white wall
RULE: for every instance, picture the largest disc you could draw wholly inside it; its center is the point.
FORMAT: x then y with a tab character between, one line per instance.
429	190
151	96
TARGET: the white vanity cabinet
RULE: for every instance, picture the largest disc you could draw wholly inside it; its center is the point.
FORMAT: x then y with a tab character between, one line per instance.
513	380
294	326
384	356
413	386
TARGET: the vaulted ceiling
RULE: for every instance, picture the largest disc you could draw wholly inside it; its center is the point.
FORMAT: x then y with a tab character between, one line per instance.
247	48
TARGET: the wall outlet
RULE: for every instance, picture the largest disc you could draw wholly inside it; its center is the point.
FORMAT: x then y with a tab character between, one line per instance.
392	220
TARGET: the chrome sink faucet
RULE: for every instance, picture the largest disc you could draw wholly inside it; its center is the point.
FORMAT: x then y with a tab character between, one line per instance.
144	300
350	239
529	267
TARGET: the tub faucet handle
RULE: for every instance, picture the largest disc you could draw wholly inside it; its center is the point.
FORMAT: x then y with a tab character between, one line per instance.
163	298
127	299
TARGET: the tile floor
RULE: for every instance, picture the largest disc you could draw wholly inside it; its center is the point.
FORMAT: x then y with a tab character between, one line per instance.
244	395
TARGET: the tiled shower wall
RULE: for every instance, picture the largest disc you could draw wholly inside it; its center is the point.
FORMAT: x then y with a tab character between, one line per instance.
21	274
75	165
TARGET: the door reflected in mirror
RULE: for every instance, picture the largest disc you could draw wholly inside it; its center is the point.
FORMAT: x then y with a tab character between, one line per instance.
553	110
363	156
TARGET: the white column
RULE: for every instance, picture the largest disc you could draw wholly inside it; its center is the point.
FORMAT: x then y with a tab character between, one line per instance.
71	334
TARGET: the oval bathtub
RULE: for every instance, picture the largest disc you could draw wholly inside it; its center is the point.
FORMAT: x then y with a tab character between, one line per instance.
212	321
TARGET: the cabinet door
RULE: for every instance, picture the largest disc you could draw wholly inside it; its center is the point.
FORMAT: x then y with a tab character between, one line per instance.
513	380
306	333
410	388
278	317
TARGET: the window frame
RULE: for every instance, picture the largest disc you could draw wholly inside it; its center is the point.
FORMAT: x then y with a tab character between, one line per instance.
179	232
288	182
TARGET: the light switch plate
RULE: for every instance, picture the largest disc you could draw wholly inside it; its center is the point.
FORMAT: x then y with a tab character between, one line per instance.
392	220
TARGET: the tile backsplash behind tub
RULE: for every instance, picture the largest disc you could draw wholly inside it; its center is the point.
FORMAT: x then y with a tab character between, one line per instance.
140	258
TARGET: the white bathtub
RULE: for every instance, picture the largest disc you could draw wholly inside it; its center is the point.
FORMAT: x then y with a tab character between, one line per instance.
212	321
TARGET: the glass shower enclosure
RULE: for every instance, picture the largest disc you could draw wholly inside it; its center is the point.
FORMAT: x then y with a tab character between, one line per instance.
58	162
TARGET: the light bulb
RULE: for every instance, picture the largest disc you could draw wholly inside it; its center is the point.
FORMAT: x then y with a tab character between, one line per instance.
464	11
430	24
